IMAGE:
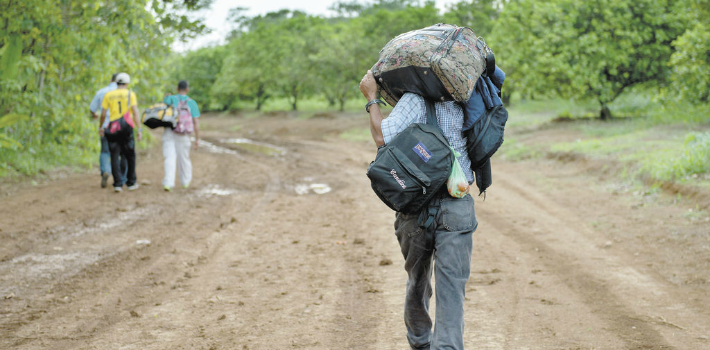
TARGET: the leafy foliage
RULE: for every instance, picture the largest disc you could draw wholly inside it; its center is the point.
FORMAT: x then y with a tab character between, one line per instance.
200	68
690	62
586	49
56	54
293	55
480	15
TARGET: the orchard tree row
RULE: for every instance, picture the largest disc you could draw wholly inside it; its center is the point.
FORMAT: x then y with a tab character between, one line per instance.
568	48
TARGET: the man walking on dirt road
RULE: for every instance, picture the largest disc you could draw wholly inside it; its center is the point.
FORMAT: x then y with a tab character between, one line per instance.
176	146
105	157
449	242
123	106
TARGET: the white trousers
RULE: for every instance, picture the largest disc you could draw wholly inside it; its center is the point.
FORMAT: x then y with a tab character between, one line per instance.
176	151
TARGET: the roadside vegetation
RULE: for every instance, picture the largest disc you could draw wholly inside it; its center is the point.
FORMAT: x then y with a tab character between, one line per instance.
629	78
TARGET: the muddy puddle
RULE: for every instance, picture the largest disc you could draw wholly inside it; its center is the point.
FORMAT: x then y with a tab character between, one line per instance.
212	148
256	147
312	188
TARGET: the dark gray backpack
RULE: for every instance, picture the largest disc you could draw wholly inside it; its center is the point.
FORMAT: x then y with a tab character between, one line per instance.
411	169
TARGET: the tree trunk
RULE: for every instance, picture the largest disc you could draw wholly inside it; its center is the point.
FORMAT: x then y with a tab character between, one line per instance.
342	104
605	113
259	97
294	93
505	97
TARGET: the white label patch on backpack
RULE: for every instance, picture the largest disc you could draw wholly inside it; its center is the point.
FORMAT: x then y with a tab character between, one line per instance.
396	178
422	152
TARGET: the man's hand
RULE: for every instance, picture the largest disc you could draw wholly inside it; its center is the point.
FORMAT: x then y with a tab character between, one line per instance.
197	144
101	132
140	134
368	86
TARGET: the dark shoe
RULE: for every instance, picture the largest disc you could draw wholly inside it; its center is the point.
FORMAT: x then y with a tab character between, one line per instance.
104	180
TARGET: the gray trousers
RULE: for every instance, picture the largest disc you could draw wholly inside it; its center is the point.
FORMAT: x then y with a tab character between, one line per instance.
449	243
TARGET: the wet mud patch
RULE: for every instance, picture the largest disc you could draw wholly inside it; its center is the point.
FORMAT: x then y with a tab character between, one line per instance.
312	185
312	188
213	148
32	268
255	146
214	190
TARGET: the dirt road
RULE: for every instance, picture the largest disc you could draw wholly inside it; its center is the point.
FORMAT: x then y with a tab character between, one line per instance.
253	257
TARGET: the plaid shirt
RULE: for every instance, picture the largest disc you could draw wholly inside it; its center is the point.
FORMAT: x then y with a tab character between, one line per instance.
411	108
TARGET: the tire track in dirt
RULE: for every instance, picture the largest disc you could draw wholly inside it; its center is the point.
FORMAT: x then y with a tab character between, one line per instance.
132	271
187	278
628	300
259	267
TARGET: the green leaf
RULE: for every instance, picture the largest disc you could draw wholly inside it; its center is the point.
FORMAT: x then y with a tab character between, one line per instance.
11	57
7	142
10	119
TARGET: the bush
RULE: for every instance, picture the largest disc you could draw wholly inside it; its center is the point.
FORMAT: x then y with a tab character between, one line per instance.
694	159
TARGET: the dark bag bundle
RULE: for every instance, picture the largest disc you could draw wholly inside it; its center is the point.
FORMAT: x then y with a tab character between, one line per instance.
486	136
484	125
413	167
158	115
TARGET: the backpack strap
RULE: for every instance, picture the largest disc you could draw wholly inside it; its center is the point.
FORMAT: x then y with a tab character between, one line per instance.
427	217
431	114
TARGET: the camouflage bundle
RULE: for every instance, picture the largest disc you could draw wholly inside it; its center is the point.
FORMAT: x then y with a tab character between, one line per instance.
441	63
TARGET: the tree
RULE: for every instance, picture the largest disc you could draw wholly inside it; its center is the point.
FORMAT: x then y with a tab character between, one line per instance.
585	49
690	63
296	41
200	68
340	62
479	15
251	65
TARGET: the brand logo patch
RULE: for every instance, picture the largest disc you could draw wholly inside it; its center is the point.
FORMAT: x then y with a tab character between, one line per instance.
422	152
396	178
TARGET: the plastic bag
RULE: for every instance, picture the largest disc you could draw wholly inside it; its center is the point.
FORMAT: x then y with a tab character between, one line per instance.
457	184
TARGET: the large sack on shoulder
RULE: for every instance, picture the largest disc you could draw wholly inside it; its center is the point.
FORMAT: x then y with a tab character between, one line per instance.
441	62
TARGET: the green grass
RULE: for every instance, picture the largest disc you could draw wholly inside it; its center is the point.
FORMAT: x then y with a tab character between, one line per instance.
312	105
659	153
554	106
682	161
650	140
44	159
513	150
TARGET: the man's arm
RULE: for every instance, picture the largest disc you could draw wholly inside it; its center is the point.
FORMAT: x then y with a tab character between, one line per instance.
196	123
368	87
136	121
101	123
95	106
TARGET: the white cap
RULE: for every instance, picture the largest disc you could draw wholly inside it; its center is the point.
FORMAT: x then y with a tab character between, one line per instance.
123	78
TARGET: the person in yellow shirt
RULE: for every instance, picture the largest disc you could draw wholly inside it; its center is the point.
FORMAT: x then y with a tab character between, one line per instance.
123	118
